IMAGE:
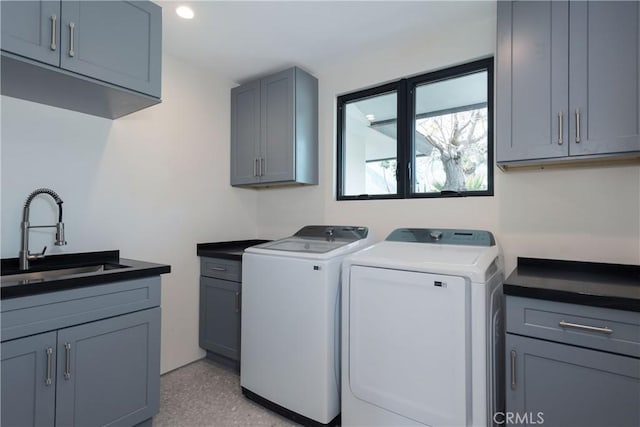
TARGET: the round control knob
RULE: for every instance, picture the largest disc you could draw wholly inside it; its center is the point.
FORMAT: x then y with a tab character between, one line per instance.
436	235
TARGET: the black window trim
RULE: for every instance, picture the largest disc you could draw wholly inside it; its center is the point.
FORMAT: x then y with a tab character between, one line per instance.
405	89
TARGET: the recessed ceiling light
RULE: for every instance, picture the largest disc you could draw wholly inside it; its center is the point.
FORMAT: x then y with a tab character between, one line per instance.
370	117
185	12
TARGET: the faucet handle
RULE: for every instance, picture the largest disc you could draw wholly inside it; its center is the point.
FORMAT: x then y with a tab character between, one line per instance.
37	256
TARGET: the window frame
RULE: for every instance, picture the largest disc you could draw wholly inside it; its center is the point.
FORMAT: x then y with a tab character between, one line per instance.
405	89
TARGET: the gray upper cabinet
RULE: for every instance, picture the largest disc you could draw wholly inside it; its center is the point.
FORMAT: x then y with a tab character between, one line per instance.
31	29
114	41
274	130
98	57
567	81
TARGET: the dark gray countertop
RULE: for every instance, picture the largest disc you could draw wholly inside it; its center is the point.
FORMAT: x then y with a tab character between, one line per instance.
129	269
597	284
232	250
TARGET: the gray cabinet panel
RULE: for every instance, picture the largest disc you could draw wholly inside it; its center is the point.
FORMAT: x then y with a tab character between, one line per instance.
245	133
572	386
113	367
532	80
27	400
220	317
115	41
274	130
32	29
605	69
567	81
277	139
220	268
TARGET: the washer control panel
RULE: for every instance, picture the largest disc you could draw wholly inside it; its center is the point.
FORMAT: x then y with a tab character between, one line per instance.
443	236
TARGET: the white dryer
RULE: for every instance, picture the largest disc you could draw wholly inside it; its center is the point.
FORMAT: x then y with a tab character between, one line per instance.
290	360
421	330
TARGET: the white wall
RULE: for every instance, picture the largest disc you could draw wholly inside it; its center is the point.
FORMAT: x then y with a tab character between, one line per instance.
152	184
590	214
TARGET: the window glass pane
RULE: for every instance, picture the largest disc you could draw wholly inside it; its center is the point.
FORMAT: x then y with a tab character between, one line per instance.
450	142
370	146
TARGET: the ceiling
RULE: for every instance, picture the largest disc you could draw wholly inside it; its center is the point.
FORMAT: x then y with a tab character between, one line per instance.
240	40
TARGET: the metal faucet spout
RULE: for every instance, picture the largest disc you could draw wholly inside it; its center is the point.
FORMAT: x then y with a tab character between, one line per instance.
25	256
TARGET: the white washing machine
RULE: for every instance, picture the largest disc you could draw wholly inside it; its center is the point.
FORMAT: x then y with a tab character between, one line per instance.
421	330
290	360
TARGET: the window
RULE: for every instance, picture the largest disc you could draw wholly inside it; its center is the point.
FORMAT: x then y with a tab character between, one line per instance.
425	136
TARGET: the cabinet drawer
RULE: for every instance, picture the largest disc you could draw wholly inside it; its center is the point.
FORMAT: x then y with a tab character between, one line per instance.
605	329
221	269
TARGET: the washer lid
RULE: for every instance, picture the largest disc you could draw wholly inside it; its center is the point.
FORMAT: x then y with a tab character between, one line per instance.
318	239
297	244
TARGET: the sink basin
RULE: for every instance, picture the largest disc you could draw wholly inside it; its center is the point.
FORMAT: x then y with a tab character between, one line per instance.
38	276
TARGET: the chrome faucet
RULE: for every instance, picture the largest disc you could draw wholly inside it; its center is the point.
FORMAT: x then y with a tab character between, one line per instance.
24	255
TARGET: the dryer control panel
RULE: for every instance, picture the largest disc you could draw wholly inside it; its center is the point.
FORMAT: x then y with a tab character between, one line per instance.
443	236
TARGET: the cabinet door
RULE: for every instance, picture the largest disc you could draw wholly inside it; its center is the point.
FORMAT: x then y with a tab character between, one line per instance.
605	69
109	371
277	137
571	386
32	29
118	42
245	133
532	80
28	399
220	317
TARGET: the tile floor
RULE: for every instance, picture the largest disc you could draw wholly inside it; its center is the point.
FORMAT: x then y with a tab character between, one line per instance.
205	393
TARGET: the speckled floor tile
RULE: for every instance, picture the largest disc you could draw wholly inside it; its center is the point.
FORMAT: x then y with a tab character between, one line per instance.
204	393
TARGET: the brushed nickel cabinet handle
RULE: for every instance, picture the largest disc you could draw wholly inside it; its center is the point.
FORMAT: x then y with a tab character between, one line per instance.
255	167
560	130
53	32
72	27
219	268
237	302
262	168
603	330
513	369
49	352
67	361
577	126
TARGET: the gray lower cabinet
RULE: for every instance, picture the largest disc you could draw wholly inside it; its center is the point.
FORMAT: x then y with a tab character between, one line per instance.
28	391
567	81
274	130
82	357
96	374
52	49
563	385
220	306
571	365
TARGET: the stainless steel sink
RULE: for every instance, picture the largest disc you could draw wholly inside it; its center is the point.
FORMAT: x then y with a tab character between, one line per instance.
35	276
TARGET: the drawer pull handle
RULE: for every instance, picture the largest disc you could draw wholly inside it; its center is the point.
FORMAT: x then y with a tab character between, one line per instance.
560	131
53	32
513	369
72	51
219	268
578	126
603	330
49	352
67	364
237	302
